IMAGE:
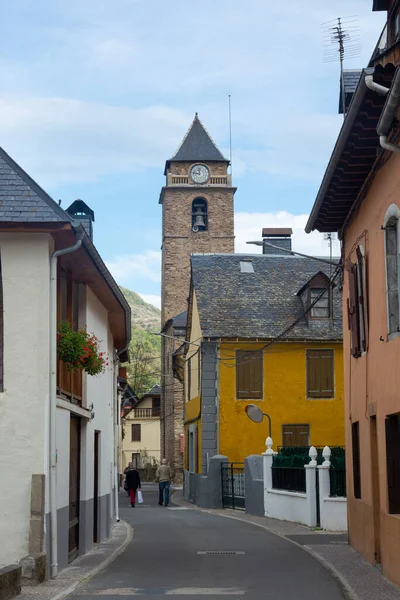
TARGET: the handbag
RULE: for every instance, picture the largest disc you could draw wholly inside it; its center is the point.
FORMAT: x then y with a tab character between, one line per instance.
140	497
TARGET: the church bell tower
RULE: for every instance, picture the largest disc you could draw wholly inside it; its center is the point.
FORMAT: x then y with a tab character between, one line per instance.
197	217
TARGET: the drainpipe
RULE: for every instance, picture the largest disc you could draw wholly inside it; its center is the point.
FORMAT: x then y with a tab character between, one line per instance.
53	400
116	436
388	114
375	87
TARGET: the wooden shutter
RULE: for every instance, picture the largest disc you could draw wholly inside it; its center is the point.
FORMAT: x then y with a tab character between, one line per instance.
352	307
295	435
362	298
136	432
355	434
392	426
249	374
320	373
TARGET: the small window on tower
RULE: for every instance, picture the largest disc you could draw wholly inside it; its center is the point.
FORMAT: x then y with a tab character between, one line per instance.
199	215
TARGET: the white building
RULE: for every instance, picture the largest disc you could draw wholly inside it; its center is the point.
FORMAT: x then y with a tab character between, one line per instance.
58	428
141	443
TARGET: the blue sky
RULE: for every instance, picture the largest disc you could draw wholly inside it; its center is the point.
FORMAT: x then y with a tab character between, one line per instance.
95	96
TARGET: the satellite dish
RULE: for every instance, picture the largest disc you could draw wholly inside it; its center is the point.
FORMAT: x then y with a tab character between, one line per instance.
254	413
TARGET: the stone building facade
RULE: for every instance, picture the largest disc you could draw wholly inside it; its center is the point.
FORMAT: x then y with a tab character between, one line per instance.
197	217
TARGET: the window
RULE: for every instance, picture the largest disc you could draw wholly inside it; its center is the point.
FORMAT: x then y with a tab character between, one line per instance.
249	375
136	433
199	215
319	310
356	303
396	27
355	436
136	459
156	407
295	435
392	426
320	373
392	273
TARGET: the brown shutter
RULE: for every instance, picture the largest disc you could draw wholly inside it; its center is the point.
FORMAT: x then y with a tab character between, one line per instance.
295	435
362	296
353	309
392	426
327	373
249	374
313	374
136	433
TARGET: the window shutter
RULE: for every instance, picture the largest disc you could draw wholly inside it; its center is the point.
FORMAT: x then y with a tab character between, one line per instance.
392	426
362	296
327	374
136	433
353	309
249	374
313	374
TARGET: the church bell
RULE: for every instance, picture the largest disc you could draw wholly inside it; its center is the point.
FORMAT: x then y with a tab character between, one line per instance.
199	220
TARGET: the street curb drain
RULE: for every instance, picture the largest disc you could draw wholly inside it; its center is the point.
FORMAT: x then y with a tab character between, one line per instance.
219	552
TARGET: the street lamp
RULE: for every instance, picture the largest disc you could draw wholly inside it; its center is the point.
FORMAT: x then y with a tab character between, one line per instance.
255	413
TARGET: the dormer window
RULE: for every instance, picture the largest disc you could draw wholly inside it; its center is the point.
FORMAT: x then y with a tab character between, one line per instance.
199	215
319	302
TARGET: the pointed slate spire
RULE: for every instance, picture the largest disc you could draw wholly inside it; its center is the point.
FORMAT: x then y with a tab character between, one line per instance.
197	145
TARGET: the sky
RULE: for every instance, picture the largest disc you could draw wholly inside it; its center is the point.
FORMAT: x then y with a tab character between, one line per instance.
96	95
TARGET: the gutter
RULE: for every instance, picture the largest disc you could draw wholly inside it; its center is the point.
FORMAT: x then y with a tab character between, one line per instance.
53	398
339	147
389	114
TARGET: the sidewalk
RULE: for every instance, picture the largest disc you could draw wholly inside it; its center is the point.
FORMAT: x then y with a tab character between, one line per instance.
360	580
82	569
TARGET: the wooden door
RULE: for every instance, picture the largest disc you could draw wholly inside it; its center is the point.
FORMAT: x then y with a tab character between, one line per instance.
74	477
96	485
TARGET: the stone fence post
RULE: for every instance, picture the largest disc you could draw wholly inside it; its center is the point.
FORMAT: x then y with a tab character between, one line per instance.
311	488
324	484
268	457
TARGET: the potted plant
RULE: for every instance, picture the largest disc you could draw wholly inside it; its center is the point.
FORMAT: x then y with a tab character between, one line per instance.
79	350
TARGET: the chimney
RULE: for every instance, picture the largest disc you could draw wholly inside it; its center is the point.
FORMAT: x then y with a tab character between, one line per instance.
278	236
80	211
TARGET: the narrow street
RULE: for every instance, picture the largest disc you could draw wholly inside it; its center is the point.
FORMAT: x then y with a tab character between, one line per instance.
175	551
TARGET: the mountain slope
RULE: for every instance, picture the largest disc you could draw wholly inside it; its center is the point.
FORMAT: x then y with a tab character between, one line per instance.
144	316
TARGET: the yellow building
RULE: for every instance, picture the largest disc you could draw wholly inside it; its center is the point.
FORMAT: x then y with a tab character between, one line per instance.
263	329
141	431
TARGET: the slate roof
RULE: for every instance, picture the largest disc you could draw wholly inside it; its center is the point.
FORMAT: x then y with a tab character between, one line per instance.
22	199
262	304
197	145
180	321
351	78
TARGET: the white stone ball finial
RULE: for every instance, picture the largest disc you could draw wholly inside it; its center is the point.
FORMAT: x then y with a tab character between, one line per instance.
326	453
313	455
269	443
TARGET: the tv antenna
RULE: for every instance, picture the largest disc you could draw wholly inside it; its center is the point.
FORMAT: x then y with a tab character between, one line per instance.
341	39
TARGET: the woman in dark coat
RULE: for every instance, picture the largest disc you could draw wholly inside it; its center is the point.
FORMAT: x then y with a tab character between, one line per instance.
132	482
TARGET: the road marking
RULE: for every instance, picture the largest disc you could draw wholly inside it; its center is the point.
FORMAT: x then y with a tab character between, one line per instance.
218	552
189	591
177	508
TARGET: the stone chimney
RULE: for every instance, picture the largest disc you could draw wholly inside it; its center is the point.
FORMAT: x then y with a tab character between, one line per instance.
278	236
80	211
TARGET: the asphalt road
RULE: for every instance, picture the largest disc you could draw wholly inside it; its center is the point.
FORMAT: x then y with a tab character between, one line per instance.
180	552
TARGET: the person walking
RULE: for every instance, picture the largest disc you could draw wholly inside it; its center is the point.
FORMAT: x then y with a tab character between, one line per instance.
132	482
163	476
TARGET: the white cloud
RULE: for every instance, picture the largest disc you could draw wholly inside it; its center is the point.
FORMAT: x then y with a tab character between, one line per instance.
127	269
248	227
152	299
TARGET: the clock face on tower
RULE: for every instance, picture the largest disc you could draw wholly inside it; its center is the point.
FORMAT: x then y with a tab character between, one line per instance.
199	173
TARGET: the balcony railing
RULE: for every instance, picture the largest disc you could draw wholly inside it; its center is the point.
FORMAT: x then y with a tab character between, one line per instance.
147	413
173	180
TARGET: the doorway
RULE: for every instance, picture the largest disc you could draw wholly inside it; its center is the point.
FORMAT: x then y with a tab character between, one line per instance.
74	480
96	487
376	500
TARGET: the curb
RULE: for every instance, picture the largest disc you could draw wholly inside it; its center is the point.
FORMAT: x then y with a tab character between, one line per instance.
345	587
69	590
